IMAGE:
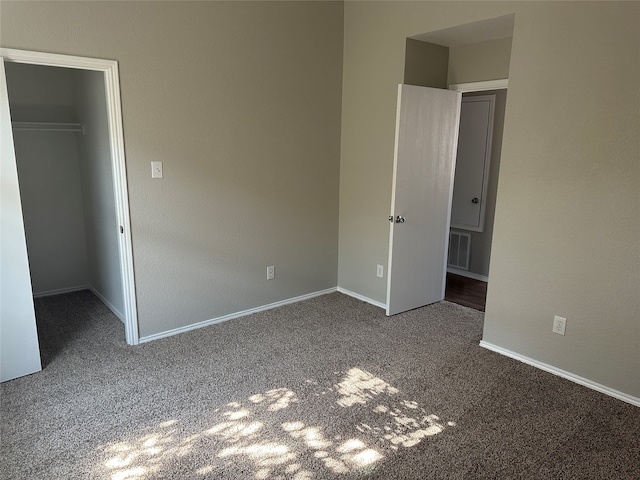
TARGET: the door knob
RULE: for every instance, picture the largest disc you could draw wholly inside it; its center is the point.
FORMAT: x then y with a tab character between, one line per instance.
399	219
474	200
391	218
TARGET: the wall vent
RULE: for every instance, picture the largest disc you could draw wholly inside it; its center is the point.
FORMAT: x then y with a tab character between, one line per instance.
459	250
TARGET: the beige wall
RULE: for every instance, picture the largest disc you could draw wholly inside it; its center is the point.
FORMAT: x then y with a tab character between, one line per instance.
426	64
478	62
241	101
567	225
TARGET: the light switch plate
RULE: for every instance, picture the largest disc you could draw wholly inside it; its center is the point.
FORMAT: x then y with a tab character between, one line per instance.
156	169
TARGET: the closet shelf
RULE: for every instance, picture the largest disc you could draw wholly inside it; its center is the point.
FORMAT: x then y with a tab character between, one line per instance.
49	127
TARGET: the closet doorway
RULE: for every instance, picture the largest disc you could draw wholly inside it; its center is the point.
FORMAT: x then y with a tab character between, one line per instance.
67	133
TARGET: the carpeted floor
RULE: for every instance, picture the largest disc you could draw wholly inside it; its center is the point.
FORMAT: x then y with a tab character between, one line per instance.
326	388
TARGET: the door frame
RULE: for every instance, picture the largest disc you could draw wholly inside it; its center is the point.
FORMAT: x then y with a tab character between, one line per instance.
109	68
501	84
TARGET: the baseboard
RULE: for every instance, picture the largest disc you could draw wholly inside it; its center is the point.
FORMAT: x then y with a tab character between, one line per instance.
465	273
60	291
564	374
231	316
108	304
362	297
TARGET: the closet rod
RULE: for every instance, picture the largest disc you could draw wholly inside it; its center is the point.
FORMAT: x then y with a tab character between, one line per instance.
49	127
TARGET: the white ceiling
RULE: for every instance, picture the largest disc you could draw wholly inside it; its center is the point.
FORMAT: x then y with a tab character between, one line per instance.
482	31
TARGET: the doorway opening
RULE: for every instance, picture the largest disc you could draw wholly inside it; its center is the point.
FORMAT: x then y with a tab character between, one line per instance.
474	194
61	139
465	58
67	136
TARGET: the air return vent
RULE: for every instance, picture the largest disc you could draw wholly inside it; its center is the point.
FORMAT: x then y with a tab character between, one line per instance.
459	248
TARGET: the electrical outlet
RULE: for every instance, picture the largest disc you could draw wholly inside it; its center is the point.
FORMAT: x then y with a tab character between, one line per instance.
559	325
271	272
380	271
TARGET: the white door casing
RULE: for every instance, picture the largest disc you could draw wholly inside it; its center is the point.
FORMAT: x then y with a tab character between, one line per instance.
109	68
427	123
473	163
19	347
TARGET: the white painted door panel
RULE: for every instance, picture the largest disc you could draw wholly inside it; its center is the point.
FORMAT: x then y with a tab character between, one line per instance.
427	124
472	164
19	348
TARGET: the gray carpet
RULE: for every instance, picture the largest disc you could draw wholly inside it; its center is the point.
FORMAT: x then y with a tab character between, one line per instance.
326	388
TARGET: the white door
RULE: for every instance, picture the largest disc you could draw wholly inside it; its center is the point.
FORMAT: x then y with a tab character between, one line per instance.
19	348
427	124
472	165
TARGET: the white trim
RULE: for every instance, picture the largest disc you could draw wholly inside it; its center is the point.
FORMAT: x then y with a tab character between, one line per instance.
55	60
61	291
501	84
564	374
231	316
116	137
118	164
107	303
362	297
465	273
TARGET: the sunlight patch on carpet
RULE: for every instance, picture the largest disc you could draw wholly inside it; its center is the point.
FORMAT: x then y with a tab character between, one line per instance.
359	386
264	436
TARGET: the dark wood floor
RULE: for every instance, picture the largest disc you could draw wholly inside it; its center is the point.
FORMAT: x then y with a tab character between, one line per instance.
466	291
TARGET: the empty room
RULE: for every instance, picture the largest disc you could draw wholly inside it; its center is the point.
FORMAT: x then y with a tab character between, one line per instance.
227	240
